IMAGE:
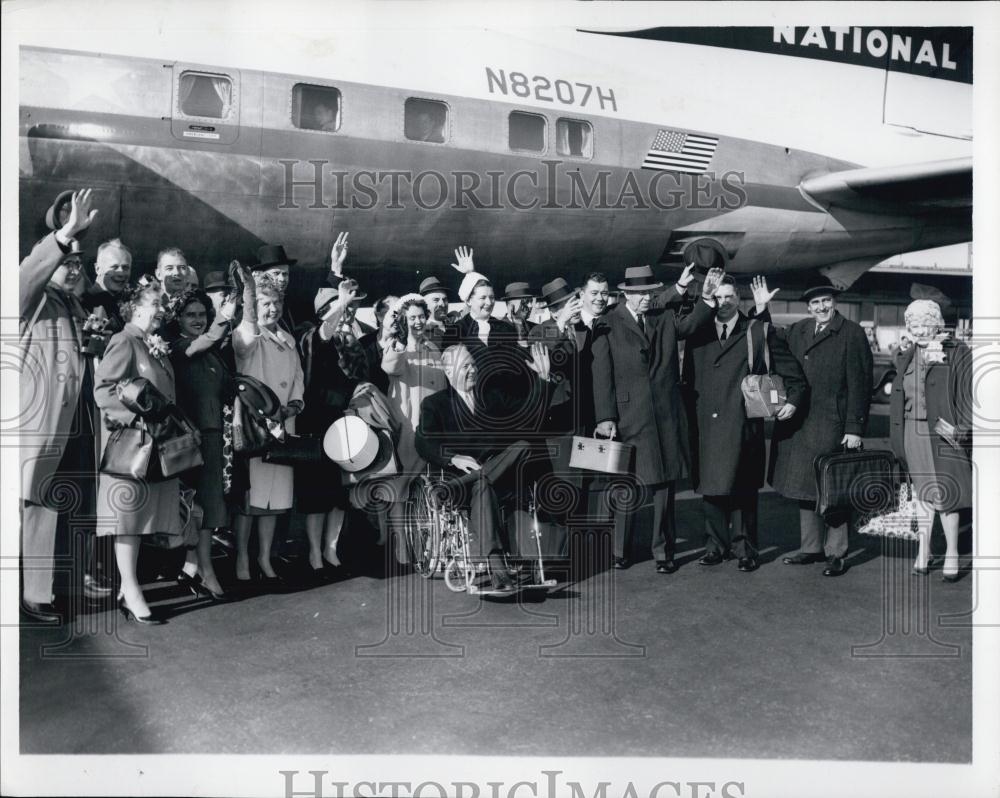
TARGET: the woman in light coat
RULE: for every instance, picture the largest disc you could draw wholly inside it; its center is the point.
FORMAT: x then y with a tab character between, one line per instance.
265	351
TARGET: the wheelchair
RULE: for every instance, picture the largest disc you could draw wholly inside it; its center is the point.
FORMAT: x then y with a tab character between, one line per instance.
438	536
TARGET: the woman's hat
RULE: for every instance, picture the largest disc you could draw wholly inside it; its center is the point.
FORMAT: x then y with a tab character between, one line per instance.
518	291
432	285
556	291
820	287
271	255
639	278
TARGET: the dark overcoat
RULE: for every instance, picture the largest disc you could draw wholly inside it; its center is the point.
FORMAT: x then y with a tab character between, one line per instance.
838	368
728	451
572	364
948	395
637	385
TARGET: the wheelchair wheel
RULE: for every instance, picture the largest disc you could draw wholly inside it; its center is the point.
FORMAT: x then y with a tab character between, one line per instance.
421	530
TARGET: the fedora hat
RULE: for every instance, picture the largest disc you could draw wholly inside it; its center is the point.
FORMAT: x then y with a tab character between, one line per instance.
556	291
216	281
358	296
432	285
518	291
272	255
355	446
820	287
639	278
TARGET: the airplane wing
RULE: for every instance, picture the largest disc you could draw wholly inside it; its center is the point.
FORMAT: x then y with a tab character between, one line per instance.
911	188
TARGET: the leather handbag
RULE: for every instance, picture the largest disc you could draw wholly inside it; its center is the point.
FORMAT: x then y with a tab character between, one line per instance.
294	450
181	451
853	479
129	454
255	404
763	394
605	455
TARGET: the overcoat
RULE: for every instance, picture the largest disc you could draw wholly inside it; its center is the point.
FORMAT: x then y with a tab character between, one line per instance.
125	506
572	364
948	395
728	452
637	384
838	368
54	371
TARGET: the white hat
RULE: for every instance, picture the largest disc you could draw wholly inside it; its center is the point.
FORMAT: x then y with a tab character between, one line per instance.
468	283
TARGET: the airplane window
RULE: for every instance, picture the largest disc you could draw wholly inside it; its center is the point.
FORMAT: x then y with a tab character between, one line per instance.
316	107
425	120
205	95
574	137
526	131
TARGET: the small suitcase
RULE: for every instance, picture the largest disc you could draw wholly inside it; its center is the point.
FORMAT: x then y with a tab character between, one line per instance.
853	479
598	454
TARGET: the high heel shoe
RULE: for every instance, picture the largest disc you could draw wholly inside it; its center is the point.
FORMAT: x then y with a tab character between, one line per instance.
916	571
193	583
145	620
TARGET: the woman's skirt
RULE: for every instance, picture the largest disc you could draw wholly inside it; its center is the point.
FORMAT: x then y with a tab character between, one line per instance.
207	481
917	443
130	507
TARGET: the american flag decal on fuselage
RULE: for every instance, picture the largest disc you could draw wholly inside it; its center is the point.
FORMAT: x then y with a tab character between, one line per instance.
674	151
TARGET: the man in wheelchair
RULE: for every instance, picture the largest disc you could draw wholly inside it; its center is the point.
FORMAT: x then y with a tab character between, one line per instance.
481	440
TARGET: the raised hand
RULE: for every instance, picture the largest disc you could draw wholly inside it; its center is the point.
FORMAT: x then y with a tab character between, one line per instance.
80	213
464	257
712	281
540	363
686	276
339	254
761	296
572	308
346	291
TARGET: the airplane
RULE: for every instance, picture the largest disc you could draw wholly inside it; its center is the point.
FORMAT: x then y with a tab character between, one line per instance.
553	152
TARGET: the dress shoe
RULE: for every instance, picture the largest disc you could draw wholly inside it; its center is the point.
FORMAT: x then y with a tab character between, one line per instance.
950	577
803	558
43	613
96	588
145	620
835	566
711	558
193	583
501	584
665	566
747	564
621	563
918	571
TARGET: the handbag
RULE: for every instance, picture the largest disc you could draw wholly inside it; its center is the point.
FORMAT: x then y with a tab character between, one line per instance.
763	394
899	523
853	479
255	404
294	450
129	454
182	451
607	456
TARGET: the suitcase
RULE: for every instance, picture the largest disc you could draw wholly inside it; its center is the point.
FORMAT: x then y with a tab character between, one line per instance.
599	454
853	479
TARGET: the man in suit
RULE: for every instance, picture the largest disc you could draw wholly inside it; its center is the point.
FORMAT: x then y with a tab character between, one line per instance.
436	295
59	418
728	449
837	361
520	300
458	432
637	399
172	272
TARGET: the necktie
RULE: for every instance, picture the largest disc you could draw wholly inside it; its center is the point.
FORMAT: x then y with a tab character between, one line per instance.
641	319
820	328
725	332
